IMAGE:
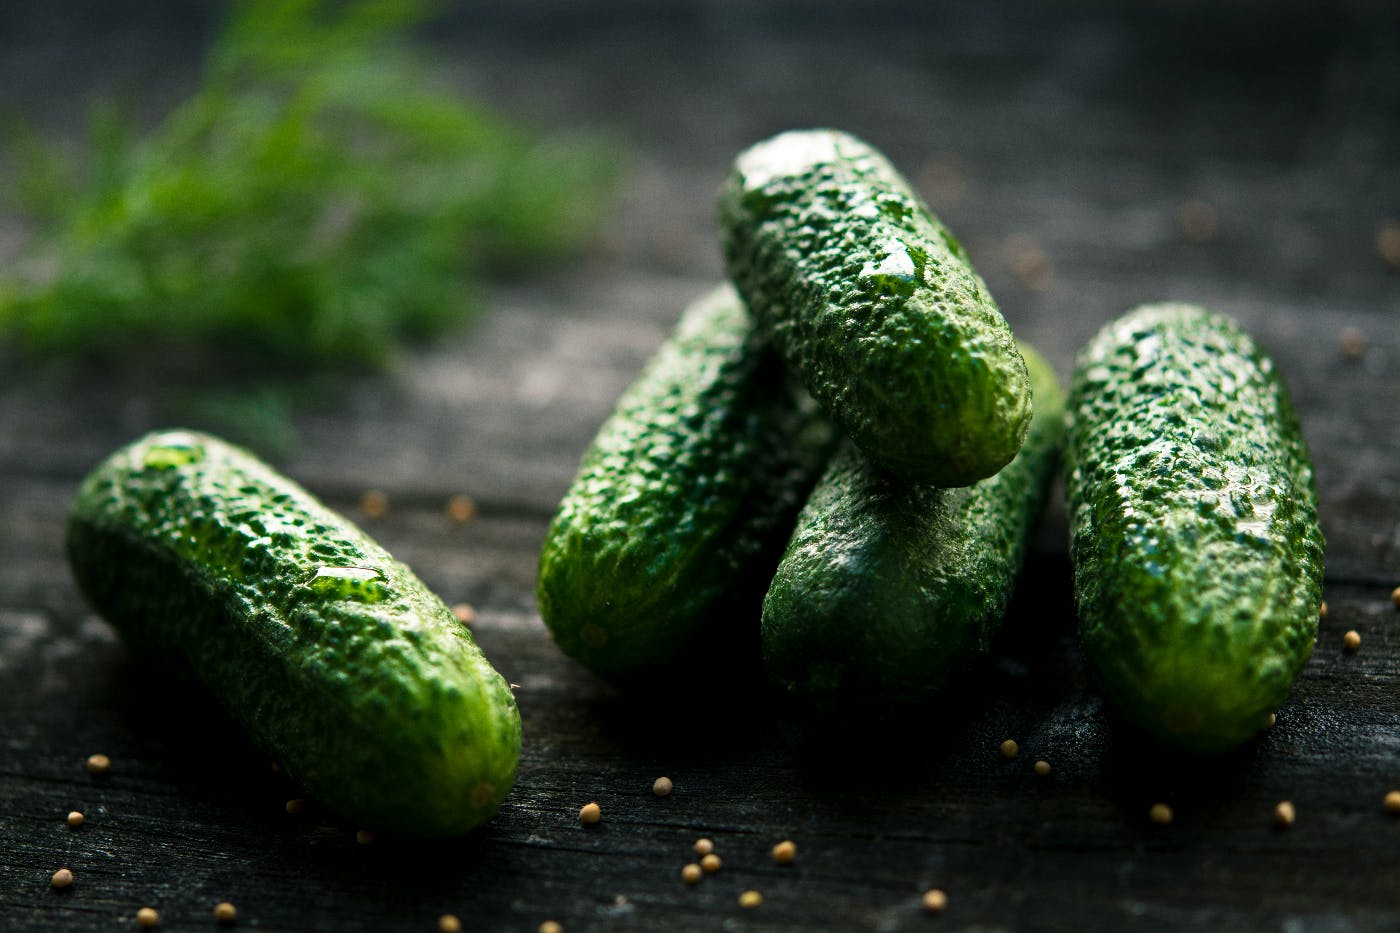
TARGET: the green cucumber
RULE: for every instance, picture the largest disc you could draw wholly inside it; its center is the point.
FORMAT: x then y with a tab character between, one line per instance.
675	522
333	656
888	589
875	306
1194	533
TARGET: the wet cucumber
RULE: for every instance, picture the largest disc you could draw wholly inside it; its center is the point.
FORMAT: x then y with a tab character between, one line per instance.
333	656
888	589
1194	533
667	538
875	306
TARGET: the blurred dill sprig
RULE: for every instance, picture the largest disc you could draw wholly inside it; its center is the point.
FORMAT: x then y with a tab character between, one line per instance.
320	199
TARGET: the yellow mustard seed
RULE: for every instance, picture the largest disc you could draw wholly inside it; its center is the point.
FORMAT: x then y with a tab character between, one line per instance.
1352	342
710	863
1395	597
1392	802
1322	610
461	508
75	819
295	805
1009	749
1388	243
224	912
374	503
692	873
1284	814
364	837
147	917
1351	640
551	926
464	613
784	852
62	878
750	899
935	900
99	764
1042	767
1197	220
704	846
589	814
1160	813
448	923
662	786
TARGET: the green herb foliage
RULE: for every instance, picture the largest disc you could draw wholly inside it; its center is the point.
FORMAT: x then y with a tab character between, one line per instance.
319	199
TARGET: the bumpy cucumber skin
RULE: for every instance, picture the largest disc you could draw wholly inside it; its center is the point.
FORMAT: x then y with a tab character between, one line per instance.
889	589
678	514
875	306
1194	534
366	691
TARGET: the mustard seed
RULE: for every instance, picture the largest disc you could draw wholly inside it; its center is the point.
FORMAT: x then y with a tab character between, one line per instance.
1395	597
1284	814
1197	220
1160	813
1009	749
374	504
590	813
295	805
464	613
1042	767
1351	640
750	899
1392	802
75	819
551	926
692	873
1388	243
147	917
364	837
784	852
710	863
225	913
62	878
448	923
704	846
1352	342
461	508
98	764
1322	610
1271	721
935	900
662	787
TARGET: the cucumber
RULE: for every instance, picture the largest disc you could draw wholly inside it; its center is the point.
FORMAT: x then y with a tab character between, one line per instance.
333	656
664	544
875	306
888	589
1194	533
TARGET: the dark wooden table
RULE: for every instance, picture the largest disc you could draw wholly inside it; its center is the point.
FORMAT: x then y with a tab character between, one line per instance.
1092	157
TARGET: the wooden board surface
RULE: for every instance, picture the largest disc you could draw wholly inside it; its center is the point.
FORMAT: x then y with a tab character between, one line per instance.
1077	133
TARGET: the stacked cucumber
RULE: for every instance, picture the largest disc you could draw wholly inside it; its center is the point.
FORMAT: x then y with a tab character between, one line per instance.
1195	537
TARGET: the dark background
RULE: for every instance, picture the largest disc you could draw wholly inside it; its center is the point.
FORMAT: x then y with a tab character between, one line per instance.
1091	156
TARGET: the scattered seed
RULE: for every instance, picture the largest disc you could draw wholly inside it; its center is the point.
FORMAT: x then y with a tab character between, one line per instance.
750	899
1042	767
1388	243
1271	721
662	786
784	852
448	923
461	508
945	177
1284	814
1392	802
364	837
692	873
1395	597
1352	342
1160	813
464	613
935	900
1197	220
551	926
374	504
224	912
1029	262
710	863
1322	610
147	917
704	846
62	878
295	805
1351	640
75	819
590	813
99	764
274	767
1009	749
